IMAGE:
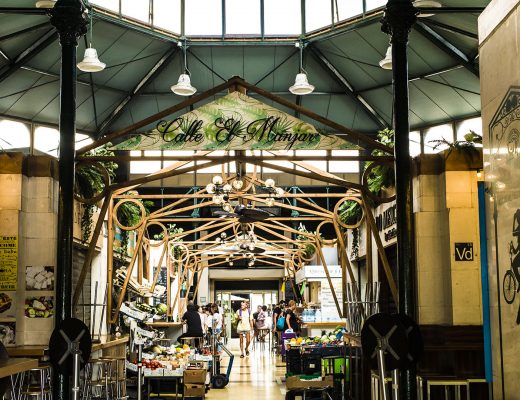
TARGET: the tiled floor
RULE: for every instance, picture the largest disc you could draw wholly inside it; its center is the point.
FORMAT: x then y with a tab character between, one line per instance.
253	378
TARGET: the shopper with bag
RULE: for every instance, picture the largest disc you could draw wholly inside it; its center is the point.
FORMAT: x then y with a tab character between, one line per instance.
292	321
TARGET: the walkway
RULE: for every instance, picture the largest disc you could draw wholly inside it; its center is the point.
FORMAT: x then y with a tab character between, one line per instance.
256	377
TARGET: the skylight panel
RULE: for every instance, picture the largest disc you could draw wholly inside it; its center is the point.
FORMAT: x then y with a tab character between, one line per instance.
282	17
243	17
203	17
318	14
167	15
136	9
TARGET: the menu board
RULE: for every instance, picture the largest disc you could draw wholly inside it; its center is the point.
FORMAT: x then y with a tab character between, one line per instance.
329	311
8	262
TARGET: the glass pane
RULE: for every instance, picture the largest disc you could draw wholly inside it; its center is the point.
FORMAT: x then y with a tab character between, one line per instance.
373	4
203	17
415	143
344	166
82	140
47	140
167	15
108	4
464	127
345	9
433	138
242	17
282	17
318	14
321	165
14	135
137	9
311	152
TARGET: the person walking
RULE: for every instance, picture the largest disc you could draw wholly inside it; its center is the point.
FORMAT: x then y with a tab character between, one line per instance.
244	327
260	323
291	319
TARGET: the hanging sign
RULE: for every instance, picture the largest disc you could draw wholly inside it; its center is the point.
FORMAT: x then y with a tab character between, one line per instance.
8	262
234	122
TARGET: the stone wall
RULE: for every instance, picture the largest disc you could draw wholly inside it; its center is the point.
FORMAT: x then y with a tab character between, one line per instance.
499	34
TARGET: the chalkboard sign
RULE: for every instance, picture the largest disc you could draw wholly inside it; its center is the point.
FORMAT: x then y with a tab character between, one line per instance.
162	280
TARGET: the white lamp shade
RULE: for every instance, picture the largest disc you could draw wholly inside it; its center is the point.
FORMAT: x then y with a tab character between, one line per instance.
45	4
183	86
426	4
386	63
91	61
301	85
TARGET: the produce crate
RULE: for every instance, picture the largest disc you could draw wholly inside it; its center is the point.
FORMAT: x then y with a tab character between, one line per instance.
324	351
196	376
194	390
311	365
298	382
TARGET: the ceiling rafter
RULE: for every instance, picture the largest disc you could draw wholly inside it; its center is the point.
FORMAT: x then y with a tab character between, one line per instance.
141	85
413	78
445	45
451	28
37	47
347	86
22	31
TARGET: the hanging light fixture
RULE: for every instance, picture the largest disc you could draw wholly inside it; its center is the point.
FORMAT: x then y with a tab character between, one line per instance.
183	86
386	63
45	4
91	61
426	4
301	85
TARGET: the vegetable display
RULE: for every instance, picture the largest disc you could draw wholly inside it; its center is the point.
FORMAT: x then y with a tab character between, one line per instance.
39	307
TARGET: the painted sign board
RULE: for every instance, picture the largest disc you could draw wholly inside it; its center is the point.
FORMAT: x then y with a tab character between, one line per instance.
8	262
234	122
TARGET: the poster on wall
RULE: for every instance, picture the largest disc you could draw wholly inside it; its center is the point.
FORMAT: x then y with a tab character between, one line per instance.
7	304
8	262
39	307
8	333
39	277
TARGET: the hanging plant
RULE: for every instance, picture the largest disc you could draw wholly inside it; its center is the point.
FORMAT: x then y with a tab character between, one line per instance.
129	214
309	249
89	181
381	176
350	213
172	230
466	146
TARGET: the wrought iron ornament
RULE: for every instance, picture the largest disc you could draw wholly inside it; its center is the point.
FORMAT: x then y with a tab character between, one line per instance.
70	18
399	17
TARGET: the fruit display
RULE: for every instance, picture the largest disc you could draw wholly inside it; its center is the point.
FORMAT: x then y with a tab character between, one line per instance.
161	309
332	338
39	307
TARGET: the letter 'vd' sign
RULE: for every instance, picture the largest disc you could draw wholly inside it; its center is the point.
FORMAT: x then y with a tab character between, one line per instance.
463	251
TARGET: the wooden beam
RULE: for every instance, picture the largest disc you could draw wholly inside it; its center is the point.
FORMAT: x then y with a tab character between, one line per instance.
381	250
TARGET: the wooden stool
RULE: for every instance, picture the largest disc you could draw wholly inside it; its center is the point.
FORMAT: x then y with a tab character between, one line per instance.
118	377
191	341
98	377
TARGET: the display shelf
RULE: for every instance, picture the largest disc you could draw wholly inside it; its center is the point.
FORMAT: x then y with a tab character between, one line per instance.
109	343
328	324
163	324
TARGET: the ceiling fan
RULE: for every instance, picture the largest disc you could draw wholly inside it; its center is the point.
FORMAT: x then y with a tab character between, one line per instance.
245	214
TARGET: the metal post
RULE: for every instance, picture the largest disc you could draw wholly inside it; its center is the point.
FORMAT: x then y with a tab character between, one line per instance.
76	354
70	21
399	17
139	370
395	384
382	371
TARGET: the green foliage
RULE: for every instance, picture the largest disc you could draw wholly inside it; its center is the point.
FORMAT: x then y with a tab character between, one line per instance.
382	175
172	230
88	182
467	146
309	248
129	214
350	212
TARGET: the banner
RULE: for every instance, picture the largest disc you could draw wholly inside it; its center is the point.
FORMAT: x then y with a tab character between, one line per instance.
235	122
8	262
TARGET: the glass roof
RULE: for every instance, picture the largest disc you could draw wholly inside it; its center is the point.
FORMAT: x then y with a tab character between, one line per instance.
232	18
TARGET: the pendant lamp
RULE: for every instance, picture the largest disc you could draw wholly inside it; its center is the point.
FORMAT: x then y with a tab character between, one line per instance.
386	63
426	4
45	4
91	61
301	85
183	86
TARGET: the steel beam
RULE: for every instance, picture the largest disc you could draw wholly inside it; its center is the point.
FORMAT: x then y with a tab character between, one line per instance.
347	87
450	28
23	10
22	31
451	10
145	80
26	55
413	78
446	46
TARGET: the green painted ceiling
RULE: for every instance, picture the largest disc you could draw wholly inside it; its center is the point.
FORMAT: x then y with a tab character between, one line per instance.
31	90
